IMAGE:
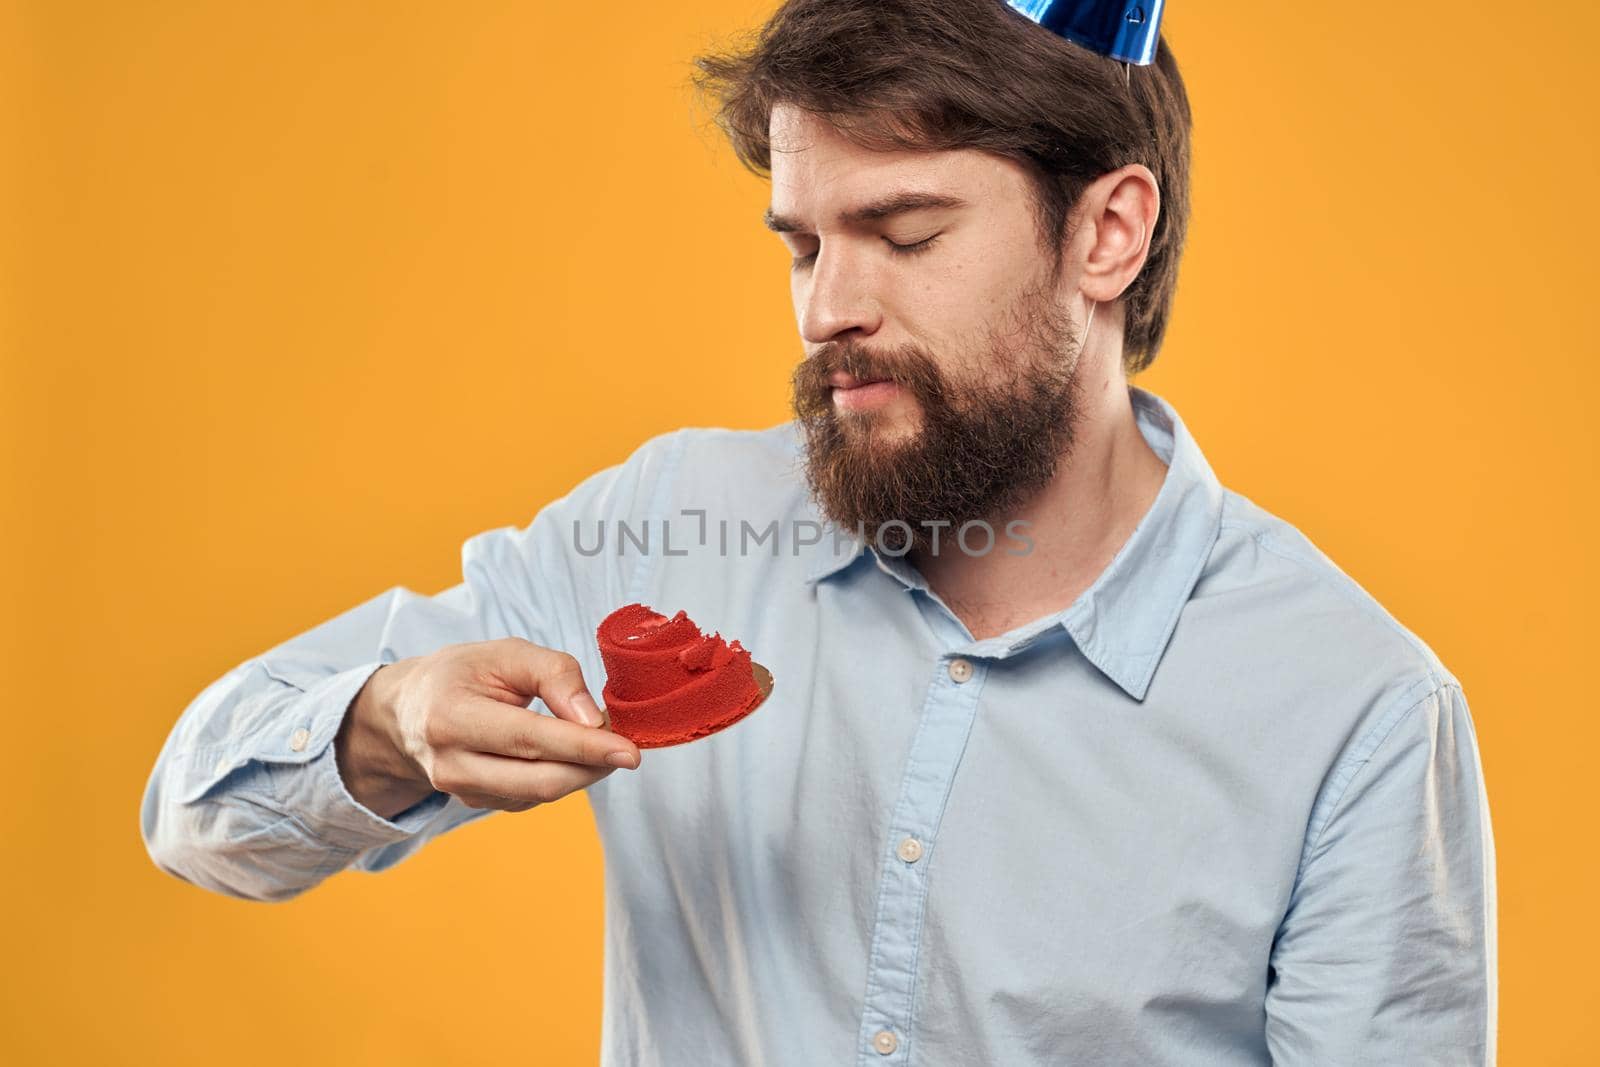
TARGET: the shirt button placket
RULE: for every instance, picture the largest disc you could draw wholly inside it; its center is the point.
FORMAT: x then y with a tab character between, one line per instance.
931	765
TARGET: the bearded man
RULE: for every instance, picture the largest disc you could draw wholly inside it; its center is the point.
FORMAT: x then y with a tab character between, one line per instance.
1074	755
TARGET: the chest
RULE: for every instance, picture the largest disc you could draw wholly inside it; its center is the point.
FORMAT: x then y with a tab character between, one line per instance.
1008	857
996	857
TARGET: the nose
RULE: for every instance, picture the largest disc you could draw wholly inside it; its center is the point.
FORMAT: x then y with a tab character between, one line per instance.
835	297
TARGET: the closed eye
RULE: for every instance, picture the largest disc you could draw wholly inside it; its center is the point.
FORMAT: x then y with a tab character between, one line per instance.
895	249
913	248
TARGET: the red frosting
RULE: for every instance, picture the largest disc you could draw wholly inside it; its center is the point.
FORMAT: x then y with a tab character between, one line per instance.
667	683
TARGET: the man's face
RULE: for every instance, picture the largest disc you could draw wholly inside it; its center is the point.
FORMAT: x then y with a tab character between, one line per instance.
963	329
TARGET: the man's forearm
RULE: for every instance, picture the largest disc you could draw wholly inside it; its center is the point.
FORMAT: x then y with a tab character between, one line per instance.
371	762
245	798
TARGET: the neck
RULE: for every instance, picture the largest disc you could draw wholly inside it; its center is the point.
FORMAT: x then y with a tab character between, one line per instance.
1077	524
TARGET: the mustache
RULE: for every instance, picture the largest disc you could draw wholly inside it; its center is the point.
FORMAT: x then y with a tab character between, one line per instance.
908	366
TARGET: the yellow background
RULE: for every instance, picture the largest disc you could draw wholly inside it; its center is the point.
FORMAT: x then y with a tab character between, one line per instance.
299	296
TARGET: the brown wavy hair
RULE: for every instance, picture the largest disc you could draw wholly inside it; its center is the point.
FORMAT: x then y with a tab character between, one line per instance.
929	75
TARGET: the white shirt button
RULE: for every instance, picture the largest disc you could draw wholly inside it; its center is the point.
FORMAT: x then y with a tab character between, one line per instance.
910	850
960	670
885	1042
298	739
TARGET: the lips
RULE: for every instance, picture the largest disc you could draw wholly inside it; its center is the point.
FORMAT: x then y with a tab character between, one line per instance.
841	380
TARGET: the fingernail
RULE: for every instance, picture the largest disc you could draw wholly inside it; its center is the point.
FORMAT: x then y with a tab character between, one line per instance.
587	708
621	758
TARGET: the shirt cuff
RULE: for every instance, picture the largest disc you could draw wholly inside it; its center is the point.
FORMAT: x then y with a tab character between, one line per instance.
318	796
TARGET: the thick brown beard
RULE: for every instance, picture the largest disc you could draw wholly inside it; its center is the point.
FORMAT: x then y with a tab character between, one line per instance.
967	461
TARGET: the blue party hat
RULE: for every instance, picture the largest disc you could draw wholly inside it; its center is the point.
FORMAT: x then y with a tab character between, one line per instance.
1125	30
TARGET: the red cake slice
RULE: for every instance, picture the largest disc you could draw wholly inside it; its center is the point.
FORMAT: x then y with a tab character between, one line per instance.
668	683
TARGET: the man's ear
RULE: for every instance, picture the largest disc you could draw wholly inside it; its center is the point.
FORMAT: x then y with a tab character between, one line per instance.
1118	218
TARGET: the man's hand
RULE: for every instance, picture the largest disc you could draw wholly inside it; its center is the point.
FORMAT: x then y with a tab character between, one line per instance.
457	721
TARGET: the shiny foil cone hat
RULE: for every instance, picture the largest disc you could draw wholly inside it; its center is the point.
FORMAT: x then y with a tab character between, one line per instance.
667	683
1116	28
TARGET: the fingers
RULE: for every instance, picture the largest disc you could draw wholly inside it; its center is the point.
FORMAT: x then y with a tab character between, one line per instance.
483	725
552	676
488	781
484	800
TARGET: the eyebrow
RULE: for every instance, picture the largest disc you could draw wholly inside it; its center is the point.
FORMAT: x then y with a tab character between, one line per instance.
886	207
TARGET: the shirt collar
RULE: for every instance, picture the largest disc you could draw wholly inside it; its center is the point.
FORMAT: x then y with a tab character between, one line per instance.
1123	622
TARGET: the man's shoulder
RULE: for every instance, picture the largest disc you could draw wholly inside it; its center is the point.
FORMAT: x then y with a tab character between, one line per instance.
1268	573
779	443
743	462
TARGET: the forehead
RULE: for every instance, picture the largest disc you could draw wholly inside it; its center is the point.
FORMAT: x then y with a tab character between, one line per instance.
816	169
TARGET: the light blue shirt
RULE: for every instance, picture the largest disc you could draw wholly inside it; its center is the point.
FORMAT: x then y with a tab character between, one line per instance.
1223	809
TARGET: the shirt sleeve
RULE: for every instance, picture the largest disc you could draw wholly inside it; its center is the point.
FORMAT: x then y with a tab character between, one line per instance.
246	799
1387	951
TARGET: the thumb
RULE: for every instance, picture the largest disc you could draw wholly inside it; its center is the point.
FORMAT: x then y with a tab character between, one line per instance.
553	676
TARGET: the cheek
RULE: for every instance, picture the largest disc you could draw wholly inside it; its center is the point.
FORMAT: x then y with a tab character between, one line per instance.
998	274
955	306
984	292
